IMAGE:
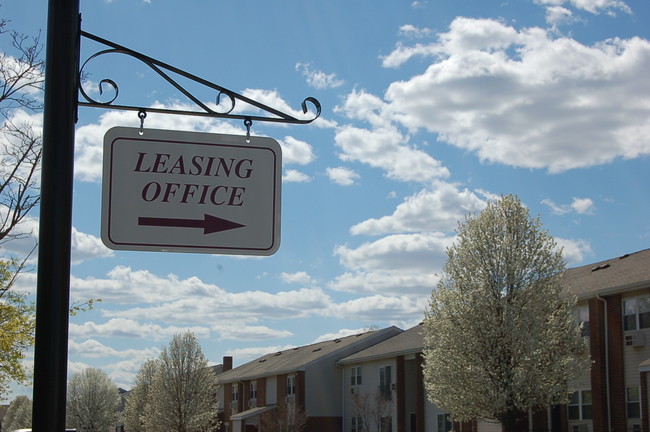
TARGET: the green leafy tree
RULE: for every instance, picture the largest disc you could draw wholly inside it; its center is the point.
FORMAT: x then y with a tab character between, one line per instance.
92	404
182	397
16	328
500	337
136	404
19	414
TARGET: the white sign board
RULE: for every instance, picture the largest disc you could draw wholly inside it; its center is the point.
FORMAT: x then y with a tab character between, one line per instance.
191	192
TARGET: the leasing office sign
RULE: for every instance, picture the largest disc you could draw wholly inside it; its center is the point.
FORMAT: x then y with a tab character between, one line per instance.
191	192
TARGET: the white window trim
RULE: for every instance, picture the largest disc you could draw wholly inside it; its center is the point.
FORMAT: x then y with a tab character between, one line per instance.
637	318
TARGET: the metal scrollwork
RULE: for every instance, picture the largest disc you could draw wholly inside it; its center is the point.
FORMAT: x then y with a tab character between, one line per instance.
162	70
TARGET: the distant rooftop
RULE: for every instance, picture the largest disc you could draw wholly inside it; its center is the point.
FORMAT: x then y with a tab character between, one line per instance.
408	342
614	275
295	359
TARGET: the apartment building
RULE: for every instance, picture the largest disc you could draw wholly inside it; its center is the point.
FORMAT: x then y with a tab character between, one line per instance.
302	379
614	305
384	387
374	379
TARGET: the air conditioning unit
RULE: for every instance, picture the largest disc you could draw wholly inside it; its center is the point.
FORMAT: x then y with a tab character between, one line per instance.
581	428
636	339
392	386
354	390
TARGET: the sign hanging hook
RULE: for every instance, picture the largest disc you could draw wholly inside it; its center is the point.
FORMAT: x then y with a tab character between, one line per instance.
248	123
142	114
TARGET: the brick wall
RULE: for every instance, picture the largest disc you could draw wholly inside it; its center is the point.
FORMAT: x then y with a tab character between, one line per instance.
607	353
598	352
616	364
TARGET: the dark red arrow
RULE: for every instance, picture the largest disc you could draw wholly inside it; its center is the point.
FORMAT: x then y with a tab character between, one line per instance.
210	224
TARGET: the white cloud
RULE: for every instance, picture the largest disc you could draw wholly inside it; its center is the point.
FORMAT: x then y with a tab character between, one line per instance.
83	246
295	151
250	333
593	6
574	250
30	80
526	99
439	209
87	246
318	79
393	265
381	308
578	205
295	176
582	205
556	15
410	30
342	176
94	349
130	328
398	252
413	283
297	277
184	304
387	148
124	286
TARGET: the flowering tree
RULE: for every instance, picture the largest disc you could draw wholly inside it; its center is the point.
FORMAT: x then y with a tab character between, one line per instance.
183	394
500	338
19	414
92	401
136	404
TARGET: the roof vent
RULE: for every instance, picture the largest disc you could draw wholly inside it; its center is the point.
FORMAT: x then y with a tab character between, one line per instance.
316	349
278	353
624	256
600	267
261	360
337	340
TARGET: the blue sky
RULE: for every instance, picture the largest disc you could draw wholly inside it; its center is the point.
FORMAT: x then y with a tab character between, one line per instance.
430	108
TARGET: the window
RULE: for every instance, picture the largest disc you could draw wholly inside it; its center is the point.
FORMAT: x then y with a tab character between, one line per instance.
580	405
385	382
355	376
444	425
633	402
357	424
583	318
636	313
253	394
291	385
234	393
234	399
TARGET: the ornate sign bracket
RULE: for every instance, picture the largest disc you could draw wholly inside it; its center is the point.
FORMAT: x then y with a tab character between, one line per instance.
224	96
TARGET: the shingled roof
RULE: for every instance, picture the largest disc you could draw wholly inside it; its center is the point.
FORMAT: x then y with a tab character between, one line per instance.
408	342
296	359
611	276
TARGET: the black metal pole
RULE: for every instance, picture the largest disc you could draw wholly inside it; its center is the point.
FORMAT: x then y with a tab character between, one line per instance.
53	286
